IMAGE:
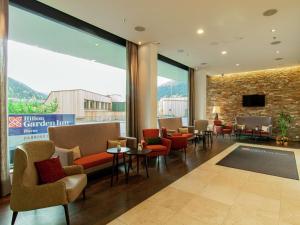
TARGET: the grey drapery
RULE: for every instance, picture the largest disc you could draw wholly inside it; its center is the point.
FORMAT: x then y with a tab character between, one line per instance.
4	166
191	96
132	90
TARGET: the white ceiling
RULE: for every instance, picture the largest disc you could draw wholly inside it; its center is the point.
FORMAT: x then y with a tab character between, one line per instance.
233	25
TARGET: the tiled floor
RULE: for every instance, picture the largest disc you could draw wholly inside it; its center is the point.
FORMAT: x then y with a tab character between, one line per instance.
216	195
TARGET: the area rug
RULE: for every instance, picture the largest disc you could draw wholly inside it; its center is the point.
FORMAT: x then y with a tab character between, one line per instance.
262	160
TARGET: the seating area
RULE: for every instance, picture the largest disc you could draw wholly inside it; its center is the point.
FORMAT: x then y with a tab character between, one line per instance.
149	112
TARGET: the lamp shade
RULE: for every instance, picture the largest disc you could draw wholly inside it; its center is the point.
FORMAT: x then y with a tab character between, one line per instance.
216	109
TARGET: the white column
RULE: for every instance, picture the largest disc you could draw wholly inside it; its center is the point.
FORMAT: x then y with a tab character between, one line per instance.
200	94
147	86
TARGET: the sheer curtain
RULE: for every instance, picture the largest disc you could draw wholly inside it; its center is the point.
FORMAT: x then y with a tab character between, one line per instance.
4	165
132	90
191	96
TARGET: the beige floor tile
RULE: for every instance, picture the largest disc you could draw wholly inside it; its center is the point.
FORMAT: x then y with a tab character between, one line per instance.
205	210
254	201
115	222
290	211
240	215
185	219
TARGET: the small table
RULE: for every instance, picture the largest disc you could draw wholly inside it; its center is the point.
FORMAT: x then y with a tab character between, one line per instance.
143	153
209	135
115	152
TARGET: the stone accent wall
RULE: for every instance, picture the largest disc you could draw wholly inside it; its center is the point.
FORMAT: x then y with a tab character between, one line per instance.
281	87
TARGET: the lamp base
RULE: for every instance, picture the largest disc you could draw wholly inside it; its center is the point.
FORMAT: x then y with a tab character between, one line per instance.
216	116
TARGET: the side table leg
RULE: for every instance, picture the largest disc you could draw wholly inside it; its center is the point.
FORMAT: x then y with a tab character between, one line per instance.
126	171
138	163
117	166
146	165
112	171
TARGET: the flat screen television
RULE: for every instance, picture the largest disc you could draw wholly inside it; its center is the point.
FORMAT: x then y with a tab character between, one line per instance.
253	100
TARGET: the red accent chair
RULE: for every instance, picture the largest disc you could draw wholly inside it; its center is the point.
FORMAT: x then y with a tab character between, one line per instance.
157	150
220	129
227	129
217	127
179	141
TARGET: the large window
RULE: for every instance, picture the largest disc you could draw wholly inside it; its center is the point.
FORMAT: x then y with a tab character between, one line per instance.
172	92
59	75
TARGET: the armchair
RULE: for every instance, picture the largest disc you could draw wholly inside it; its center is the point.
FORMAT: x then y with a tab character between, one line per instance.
220	129
162	149
27	194
178	141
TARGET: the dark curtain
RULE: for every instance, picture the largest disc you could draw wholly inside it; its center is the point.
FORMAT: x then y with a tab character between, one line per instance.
191	96
132	90
4	164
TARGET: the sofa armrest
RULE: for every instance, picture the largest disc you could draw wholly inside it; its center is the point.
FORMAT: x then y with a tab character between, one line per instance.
65	156
73	170
25	198
131	141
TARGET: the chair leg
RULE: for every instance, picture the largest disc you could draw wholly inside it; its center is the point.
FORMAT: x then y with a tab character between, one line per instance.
165	158
67	214
14	217
83	194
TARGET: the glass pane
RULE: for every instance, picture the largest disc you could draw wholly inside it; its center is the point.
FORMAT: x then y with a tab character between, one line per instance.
58	75
172	95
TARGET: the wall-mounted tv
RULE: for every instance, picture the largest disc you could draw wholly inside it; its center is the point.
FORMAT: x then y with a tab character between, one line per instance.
253	100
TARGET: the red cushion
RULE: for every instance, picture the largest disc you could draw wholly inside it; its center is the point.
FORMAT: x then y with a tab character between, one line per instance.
94	160
49	170
157	148
188	135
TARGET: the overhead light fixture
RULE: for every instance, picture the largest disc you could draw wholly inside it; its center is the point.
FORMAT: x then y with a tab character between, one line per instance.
273	30
139	42
237	64
270	12
200	31
275	42
139	28
277	52
224	52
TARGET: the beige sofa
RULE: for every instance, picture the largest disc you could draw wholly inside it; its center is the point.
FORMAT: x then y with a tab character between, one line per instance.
173	125
92	141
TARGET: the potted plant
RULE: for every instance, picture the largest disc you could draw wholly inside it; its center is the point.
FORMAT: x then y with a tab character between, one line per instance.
284	122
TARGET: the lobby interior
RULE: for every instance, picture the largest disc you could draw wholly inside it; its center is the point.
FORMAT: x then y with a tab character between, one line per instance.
150	112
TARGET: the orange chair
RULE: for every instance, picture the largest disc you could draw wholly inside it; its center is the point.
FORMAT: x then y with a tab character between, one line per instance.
162	149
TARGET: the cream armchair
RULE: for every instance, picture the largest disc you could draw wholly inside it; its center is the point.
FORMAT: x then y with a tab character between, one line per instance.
27	194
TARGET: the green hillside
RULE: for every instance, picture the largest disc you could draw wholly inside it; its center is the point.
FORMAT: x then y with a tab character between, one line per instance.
172	88
19	90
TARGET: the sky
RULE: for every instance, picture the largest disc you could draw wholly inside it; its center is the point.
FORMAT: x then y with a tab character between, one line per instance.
45	71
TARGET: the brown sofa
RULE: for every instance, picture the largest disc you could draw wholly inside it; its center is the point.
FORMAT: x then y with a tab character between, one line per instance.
173	124
92	141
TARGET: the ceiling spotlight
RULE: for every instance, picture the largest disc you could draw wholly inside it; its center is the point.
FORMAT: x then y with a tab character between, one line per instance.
237	64
275	42
277	52
224	52
200	31
139	42
270	12
273	30
139	28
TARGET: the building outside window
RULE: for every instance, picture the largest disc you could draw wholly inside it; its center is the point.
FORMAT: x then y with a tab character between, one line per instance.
172	92
68	77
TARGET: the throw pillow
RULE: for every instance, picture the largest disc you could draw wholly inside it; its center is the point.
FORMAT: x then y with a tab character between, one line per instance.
183	130
76	151
153	141
49	170
241	126
170	132
115	143
265	128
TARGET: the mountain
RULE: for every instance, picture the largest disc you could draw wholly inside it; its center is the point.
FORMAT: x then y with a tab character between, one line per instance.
172	88
19	90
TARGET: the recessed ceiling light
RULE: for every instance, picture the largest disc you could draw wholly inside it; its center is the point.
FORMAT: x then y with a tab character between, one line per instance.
273	30
224	52
275	42
278	59
139	42
237	64
139	28
204	64
200	31
270	12
97	44
277	52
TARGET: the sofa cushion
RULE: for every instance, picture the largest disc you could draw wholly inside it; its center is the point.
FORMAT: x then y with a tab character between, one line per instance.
94	160
188	135
157	148
74	185
49	170
183	130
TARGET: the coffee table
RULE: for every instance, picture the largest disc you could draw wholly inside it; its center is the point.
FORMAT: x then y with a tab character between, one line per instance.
143	153
115	152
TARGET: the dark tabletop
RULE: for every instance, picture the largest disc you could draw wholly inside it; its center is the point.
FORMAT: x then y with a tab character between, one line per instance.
136	152
115	150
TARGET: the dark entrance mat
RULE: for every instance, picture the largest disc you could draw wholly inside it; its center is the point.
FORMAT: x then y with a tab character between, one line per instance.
262	160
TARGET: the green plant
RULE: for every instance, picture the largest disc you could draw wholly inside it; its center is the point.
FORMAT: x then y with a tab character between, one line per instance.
284	122
31	106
